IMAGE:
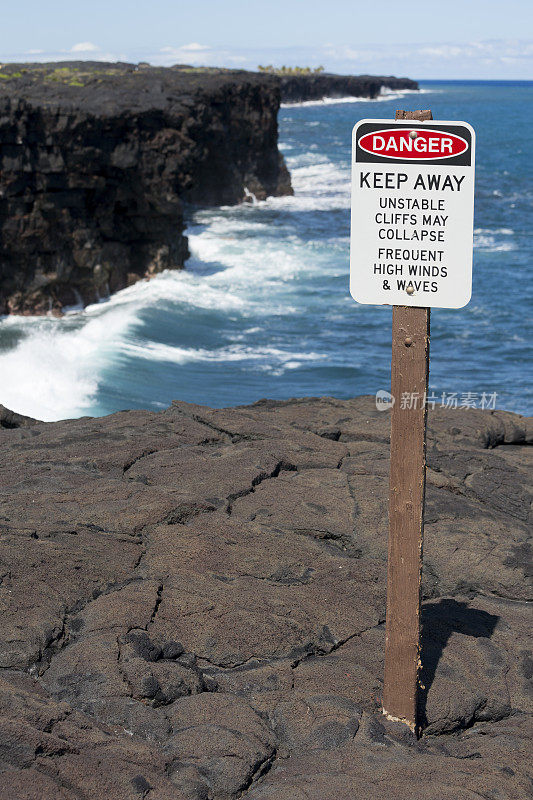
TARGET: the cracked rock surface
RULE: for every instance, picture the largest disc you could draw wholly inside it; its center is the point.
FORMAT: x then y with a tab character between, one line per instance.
193	606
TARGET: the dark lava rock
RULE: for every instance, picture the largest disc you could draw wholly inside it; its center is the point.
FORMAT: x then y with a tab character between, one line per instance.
298	88
172	650
96	160
144	647
150	686
237	650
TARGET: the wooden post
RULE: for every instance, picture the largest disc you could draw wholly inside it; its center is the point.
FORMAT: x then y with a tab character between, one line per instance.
409	383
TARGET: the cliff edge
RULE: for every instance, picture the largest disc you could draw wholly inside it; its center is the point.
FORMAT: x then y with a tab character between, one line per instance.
96	160
316	86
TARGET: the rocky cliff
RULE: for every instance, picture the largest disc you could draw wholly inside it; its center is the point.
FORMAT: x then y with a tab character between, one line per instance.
297	88
96	160
193	607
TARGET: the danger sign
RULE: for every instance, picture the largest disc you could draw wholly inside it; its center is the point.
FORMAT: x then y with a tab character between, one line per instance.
412	213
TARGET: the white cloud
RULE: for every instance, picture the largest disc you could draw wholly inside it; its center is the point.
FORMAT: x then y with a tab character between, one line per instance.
484	59
444	51
512	59
42	56
200	55
194	46
84	47
193	53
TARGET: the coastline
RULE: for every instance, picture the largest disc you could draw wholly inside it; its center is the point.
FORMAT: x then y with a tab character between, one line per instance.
383	96
115	151
93	198
262	308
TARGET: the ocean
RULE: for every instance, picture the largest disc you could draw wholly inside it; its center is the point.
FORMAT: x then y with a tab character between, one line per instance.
263	308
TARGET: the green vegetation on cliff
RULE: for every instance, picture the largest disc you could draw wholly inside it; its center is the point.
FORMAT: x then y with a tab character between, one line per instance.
290	70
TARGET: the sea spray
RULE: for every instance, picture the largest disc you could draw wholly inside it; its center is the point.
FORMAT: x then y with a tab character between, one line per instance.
263	310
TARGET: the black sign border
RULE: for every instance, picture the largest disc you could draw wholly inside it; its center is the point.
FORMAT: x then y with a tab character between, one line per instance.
462	160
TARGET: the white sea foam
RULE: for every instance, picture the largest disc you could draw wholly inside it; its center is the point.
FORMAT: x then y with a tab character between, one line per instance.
155	351
385	94
248	268
221	237
490	231
248	265
487	239
319	185
53	372
239	266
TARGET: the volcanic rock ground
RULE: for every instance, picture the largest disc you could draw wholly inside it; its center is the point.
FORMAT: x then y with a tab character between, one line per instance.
193	607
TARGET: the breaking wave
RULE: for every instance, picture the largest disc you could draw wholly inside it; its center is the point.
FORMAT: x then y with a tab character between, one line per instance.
263	309
385	94
241	266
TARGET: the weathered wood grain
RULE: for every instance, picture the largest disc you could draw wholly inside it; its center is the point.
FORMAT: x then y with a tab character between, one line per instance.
409	382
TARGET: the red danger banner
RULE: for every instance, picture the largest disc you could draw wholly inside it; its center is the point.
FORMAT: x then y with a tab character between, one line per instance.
414	144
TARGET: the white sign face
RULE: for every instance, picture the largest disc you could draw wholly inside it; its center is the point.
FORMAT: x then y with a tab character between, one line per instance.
412	213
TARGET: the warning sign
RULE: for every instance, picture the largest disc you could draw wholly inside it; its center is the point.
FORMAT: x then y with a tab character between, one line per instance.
412	213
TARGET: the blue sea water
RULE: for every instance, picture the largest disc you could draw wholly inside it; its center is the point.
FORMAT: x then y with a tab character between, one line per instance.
263	308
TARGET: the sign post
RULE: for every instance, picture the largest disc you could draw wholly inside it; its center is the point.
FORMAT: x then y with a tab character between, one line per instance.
411	247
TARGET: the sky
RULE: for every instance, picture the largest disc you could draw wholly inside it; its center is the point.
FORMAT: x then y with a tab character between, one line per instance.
469	39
